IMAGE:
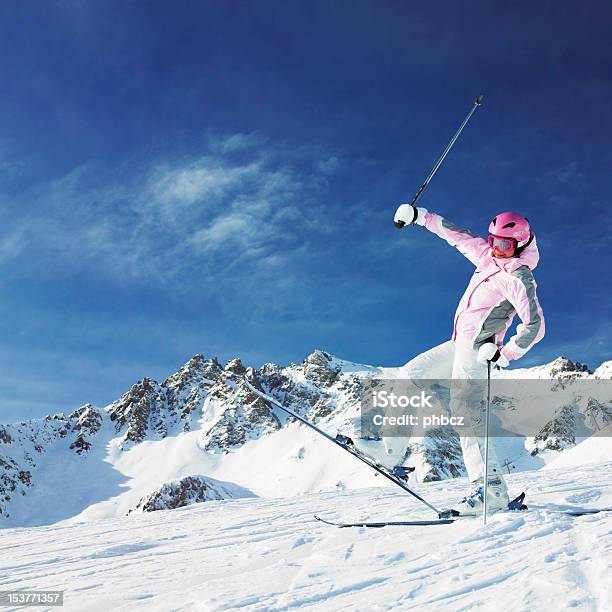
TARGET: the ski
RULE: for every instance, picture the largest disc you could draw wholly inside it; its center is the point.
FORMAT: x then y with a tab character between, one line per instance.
381	524
397	476
577	511
517	504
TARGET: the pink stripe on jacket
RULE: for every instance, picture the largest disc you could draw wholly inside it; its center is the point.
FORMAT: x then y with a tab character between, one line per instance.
499	289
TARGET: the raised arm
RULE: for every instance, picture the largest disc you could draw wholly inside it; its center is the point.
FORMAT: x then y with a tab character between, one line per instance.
473	247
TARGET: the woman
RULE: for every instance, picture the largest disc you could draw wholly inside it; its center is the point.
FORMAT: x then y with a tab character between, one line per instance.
502	286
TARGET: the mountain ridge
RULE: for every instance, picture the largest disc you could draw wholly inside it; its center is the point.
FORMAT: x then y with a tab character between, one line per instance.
220	424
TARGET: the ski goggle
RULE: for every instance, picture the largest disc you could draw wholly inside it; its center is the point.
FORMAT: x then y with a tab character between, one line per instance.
503	246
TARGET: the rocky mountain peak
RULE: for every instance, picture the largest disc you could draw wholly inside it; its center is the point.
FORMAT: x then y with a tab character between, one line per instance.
87	421
5	436
558	433
197	370
137	393
135	407
270	369
86	415
564	364
319	358
184	492
318	367
235	366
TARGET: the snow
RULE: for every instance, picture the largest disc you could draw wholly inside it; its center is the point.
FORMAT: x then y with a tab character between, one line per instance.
270	554
111	478
596	449
74	527
109	482
604	371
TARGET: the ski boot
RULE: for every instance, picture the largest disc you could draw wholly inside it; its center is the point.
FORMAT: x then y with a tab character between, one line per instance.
402	472
497	497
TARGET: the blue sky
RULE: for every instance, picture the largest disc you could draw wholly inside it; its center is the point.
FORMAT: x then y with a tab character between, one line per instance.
221	177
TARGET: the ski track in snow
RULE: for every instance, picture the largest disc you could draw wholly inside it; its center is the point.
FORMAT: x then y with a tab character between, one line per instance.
270	554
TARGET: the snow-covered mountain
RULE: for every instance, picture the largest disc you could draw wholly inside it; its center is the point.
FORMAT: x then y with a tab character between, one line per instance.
187	491
203	434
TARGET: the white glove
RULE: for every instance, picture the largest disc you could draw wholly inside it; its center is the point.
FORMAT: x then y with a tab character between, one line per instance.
406	214
490	352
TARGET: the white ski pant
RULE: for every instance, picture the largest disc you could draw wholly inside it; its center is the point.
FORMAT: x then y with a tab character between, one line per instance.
450	360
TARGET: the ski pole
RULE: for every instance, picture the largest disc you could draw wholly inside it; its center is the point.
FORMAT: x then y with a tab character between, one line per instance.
477	103
444	514
486	457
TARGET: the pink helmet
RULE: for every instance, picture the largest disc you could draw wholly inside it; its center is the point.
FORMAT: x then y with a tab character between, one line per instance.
510	225
508	232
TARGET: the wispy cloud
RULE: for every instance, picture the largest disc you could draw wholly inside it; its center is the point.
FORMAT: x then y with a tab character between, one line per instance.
11	244
242	205
206	180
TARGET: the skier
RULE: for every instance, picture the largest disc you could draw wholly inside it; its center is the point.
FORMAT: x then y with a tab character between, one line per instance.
502	286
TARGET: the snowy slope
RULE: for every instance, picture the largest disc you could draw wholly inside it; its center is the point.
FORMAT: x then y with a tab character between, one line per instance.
596	449
262	554
202	421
